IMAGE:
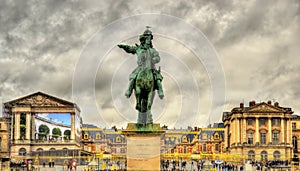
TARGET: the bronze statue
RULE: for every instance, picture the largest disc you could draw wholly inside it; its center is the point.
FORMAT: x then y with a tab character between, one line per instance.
145	78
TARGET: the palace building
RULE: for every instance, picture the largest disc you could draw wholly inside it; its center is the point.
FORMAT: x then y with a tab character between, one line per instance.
41	122
40	126
259	132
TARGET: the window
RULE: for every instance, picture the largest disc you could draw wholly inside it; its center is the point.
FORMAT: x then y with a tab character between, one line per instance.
217	147
184	139
250	137
250	121
22	152
294	126
262	138
0	142
118	139
276	155
216	136
264	156
275	138
204	136
262	122
204	147
97	136
251	155
275	122
86	136
295	143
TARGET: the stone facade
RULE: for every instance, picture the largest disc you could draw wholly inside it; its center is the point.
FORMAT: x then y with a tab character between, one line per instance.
259	132
22	115
4	150
296	137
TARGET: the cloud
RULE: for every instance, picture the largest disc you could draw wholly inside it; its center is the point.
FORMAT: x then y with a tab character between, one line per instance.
41	42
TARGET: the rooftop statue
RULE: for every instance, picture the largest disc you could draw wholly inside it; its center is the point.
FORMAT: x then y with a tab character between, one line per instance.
145	78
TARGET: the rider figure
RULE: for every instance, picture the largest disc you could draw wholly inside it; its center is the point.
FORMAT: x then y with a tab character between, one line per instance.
145	48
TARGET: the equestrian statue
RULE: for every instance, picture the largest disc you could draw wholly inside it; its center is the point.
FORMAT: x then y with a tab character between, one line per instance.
145	78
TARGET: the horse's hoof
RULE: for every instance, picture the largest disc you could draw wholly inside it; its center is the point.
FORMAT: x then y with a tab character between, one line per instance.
161	96
128	94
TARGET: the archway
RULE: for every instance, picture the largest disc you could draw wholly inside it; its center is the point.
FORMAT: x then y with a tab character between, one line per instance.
43	132
22	152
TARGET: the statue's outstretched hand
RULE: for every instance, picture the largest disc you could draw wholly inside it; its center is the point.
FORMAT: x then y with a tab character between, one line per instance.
121	46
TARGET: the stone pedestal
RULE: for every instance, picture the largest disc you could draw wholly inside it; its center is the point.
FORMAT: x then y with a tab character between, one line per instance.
143	146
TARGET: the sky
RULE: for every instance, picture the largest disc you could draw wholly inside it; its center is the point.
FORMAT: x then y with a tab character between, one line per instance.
61	118
214	55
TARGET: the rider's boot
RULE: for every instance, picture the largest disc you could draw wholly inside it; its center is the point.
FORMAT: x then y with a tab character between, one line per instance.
160	90
130	88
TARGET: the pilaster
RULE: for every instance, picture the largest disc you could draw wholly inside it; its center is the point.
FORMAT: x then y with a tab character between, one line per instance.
256	130
72	126
270	129
282	130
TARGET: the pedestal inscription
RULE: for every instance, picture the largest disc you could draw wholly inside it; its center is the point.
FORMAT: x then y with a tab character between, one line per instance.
143	147
143	153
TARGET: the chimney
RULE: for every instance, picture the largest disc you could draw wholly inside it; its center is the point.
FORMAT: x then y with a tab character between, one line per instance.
269	102
251	103
276	104
241	105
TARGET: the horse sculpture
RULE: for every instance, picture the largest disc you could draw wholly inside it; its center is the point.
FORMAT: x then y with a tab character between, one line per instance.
145	78
144	92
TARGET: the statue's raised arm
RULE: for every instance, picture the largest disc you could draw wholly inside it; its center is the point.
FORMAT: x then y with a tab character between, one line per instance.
127	48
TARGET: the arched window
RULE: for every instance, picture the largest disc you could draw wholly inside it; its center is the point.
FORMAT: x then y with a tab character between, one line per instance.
67	134
251	155
56	132
184	139
295	143
39	150
276	155
264	156
98	136
118	139
65	150
43	132
22	152
52	149
86	136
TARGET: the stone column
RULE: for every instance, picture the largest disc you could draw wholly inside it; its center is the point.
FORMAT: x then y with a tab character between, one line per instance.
244	133
238	131
256	131
282	130
33	128
12	130
270	129
72	136
28	126
288	131
226	136
17	126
